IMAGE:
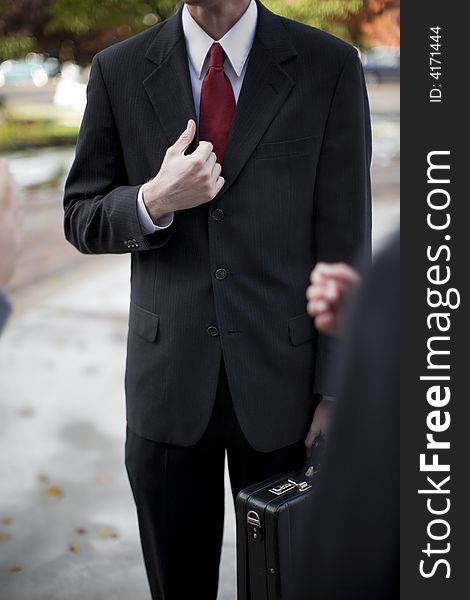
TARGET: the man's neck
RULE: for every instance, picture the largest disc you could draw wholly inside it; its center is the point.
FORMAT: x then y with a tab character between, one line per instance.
218	17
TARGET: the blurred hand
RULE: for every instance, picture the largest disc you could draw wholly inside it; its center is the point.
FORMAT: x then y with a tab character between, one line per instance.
328	295
10	224
321	422
184	181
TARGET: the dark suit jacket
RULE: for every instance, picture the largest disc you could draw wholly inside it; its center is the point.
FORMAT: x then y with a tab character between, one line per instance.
297	190
352	552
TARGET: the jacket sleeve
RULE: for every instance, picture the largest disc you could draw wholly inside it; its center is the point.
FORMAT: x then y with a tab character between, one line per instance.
342	215
99	204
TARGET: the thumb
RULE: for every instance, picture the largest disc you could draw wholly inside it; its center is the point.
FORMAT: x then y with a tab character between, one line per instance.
185	139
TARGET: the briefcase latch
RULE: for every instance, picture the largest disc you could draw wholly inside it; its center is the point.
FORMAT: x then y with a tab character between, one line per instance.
254	526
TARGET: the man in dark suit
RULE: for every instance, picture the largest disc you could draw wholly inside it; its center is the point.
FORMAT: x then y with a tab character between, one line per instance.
352	540
222	356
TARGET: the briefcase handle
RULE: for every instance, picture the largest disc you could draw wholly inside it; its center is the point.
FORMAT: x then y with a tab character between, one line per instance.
314	458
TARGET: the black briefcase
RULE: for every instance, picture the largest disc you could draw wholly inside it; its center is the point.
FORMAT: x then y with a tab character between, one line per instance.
271	521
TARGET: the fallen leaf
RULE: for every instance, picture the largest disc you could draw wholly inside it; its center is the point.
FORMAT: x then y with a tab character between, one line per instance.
4	537
90	370
81	531
15	569
43	479
7	521
54	491
74	548
26	412
115	536
104	532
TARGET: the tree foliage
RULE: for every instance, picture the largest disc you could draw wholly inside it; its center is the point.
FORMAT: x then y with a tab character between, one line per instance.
85	15
89	25
131	16
320	13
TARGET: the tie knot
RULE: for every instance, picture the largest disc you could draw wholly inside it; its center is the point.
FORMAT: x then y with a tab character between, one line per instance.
216	56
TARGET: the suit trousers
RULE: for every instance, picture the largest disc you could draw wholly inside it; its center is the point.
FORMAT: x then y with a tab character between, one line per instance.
179	495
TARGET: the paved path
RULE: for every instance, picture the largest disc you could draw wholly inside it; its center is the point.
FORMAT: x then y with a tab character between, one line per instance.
66	514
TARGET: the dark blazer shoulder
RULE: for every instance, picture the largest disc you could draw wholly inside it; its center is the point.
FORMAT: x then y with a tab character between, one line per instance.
129	50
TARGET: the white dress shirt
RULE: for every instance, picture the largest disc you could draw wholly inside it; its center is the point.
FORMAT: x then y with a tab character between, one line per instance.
236	43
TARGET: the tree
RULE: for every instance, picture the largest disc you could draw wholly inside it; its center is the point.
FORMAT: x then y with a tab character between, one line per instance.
377	23
330	15
125	16
79	28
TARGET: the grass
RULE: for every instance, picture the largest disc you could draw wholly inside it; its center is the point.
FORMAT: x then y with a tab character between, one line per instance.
23	135
25	127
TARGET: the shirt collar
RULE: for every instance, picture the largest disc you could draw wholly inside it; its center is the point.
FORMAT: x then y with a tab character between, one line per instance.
237	42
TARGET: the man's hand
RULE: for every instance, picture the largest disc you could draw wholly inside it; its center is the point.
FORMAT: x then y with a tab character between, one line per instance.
183	181
10	224
331	286
321	422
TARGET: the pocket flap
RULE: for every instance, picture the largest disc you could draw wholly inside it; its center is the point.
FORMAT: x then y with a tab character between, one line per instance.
301	329
296	147
143	323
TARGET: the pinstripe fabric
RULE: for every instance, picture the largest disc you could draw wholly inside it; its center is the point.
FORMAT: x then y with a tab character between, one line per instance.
297	191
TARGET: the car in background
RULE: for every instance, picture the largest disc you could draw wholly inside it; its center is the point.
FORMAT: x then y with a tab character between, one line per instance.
71	87
34	70
381	65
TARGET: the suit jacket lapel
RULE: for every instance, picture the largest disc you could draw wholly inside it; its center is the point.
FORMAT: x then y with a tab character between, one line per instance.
265	89
169	85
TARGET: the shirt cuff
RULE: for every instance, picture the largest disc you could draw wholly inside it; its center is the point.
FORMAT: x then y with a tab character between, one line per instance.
148	226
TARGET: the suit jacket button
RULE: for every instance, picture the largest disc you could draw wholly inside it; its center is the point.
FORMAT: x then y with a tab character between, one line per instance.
213	331
221	274
218	214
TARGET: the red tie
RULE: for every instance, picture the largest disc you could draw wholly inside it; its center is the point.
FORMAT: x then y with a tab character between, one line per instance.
217	103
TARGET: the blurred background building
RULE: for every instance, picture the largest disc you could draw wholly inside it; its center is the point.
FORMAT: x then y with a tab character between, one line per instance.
67	524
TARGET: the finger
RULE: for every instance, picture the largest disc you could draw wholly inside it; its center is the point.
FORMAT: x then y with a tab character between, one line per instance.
318	307
311	437
5	184
3	172
219	185
317	276
316	292
333	291
211	162
326	323
216	171
339	271
203	151
185	139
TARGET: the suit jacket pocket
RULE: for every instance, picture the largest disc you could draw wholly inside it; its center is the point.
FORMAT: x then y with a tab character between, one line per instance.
297	147
143	323
301	329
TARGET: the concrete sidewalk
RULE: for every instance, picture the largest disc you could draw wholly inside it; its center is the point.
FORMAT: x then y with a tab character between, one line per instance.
67	521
